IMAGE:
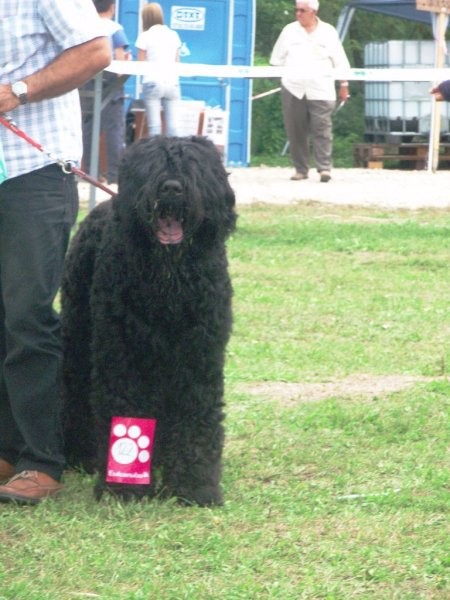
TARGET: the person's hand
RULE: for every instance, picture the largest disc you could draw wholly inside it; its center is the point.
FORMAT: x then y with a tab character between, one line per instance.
344	92
8	101
435	91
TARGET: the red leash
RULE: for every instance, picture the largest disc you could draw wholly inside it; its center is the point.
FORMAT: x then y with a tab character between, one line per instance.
66	165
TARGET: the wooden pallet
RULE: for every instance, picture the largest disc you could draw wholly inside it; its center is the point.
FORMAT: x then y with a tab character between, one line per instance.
407	155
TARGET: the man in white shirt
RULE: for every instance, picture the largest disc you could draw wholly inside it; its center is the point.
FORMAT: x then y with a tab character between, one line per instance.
312	46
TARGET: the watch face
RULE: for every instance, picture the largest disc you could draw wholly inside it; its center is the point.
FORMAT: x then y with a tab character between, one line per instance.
19	89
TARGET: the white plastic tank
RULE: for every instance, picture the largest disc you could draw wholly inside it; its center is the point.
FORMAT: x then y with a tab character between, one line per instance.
401	108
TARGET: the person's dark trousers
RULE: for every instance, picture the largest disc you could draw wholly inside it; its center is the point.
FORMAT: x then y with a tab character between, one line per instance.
112	124
305	120
37	211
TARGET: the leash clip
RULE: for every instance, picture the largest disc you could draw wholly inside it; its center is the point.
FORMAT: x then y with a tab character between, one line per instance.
66	166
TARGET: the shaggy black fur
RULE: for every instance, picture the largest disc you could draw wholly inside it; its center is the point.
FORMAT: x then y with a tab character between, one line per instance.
146	316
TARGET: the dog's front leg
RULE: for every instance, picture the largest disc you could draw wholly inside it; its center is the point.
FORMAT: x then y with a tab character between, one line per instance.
192	459
117	391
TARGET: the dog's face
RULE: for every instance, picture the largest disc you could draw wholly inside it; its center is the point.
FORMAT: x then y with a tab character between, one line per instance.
175	190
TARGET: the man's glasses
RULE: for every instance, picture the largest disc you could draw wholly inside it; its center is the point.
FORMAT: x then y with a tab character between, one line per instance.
302	10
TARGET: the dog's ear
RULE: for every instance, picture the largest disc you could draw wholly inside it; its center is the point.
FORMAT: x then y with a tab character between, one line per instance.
220	201
230	202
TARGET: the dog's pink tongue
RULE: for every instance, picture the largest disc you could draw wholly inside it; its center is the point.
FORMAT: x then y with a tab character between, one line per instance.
170	231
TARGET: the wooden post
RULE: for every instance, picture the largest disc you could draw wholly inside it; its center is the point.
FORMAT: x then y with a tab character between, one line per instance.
435	129
442	7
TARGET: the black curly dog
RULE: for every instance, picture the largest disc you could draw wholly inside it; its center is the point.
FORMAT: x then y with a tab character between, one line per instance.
146	316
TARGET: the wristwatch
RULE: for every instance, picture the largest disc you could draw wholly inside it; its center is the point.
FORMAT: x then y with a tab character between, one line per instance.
19	89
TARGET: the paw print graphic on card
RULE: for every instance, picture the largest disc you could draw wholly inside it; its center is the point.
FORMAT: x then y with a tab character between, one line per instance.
130	450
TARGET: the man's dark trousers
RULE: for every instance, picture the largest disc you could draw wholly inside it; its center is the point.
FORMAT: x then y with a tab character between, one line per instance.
37	211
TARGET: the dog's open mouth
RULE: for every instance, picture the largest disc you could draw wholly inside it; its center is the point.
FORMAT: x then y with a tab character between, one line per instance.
170	231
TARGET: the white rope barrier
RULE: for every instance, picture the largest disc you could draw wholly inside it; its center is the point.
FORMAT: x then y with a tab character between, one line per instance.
268	93
127	67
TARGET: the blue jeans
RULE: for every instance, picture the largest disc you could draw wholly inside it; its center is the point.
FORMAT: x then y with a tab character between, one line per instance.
157	97
37	211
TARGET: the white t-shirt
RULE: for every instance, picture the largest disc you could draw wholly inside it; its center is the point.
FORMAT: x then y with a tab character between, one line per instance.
317	52
161	45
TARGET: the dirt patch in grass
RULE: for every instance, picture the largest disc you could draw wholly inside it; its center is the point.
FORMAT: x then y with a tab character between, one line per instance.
355	385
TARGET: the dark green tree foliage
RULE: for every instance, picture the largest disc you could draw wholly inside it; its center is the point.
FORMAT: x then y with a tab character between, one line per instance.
268	137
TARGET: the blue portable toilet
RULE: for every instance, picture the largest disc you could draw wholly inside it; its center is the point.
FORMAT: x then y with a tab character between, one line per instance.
214	32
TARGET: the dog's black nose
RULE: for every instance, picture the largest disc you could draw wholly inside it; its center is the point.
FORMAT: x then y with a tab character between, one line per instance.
171	186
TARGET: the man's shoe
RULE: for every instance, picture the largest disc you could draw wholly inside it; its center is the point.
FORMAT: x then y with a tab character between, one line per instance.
325	176
299	176
6	470
29	487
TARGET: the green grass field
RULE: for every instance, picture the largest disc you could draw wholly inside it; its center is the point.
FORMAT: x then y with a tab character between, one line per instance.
336	481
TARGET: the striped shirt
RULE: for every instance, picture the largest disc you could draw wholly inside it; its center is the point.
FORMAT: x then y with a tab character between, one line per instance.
33	33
